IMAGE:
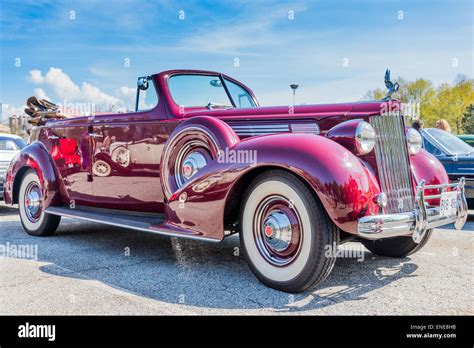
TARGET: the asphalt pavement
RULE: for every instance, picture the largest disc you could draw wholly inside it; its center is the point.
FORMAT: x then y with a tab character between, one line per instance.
88	268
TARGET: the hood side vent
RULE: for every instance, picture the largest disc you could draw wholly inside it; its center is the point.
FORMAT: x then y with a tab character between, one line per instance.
246	130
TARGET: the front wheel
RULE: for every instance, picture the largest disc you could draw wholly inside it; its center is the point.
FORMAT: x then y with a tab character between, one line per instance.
34	220
396	247
286	234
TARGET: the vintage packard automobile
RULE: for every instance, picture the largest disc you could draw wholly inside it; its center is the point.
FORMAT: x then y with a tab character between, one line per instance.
293	181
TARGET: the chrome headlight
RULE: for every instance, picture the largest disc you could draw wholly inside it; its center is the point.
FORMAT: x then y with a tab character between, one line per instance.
365	137
414	141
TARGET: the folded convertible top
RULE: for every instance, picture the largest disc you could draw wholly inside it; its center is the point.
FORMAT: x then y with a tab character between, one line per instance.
41	110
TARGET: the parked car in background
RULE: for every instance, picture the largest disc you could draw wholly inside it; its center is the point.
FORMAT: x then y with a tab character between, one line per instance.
10	145
456	156
467	138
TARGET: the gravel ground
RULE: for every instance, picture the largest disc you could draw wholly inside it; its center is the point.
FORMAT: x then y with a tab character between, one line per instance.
89	268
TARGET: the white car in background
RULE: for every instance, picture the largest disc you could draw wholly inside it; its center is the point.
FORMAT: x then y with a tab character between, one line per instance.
10	145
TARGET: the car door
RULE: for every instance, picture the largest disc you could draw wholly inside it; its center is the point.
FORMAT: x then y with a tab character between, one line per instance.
125	162
126	157
69	144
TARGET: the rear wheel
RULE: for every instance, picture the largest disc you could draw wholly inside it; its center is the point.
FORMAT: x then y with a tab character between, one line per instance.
286	233
397	246
34	220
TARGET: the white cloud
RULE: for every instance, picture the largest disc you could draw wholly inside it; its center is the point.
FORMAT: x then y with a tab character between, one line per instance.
93	94
36	77
67	91
129	95
41	94
9	110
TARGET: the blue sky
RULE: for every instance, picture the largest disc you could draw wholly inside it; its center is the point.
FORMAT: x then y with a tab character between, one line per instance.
88	48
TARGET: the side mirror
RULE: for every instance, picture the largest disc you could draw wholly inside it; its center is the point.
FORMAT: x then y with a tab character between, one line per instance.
142	83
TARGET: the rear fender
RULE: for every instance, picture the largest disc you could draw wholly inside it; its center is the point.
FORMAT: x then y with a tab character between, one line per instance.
33	156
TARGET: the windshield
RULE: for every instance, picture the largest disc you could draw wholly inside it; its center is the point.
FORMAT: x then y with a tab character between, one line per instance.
448	143
11	144
207	91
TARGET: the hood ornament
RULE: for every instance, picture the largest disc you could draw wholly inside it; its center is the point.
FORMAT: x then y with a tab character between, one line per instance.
392	87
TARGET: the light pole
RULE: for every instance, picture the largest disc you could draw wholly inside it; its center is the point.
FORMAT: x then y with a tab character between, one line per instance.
294	88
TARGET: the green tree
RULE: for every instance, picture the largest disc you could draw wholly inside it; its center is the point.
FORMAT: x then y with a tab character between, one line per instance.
376	94
450	102
468	120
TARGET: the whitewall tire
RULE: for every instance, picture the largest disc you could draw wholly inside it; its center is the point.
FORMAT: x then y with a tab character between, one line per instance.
285	232
34	220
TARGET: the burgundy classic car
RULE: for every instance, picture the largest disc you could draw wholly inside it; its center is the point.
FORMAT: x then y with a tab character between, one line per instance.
199	158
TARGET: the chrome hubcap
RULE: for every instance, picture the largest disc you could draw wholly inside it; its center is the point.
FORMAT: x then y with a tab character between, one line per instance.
191	158
33	202
277	230
192	164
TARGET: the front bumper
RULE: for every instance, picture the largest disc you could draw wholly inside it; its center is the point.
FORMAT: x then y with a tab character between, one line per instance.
418	221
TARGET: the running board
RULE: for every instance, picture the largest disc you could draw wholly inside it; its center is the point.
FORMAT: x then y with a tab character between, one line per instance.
153	224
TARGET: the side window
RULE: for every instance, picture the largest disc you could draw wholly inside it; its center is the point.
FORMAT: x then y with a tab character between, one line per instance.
240	96
148	98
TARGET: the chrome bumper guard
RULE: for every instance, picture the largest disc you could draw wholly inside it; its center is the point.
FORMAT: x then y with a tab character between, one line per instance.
418	221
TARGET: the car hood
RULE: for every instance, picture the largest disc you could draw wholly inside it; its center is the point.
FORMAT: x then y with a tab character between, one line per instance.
7	156
318	111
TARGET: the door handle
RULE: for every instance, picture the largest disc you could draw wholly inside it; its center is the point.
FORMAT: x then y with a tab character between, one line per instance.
53	137
95	135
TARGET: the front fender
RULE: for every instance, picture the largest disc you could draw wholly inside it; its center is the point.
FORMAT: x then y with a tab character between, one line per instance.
33	156
344	185
427	167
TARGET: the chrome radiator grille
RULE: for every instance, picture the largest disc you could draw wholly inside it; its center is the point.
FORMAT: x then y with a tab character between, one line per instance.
391	154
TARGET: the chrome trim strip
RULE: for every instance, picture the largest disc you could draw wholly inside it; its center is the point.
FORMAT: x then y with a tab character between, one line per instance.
63	212
305	128
259	126
265	129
